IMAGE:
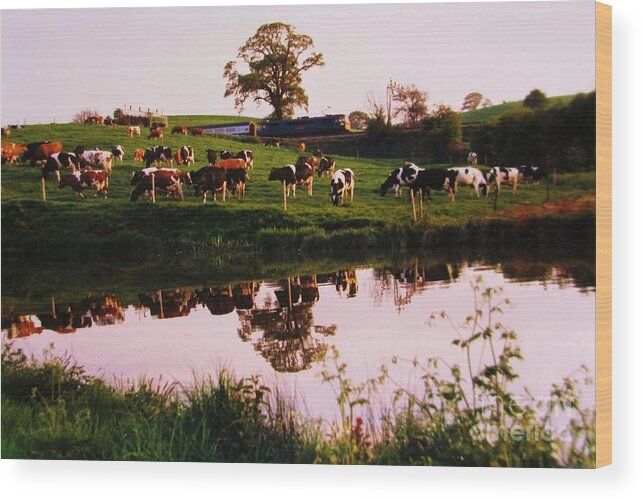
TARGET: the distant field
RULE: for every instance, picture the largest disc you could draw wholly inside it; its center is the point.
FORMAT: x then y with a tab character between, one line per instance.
195	120
116	225
485	114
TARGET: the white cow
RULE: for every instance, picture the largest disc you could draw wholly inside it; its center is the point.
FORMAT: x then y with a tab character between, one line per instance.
342	184
504	175
471	176
97	160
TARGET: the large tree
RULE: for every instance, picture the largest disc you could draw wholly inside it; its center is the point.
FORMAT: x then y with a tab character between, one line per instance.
535	99
471	101
274	60
411	104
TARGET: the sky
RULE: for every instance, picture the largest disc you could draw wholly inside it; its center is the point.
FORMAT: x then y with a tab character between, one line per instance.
55	63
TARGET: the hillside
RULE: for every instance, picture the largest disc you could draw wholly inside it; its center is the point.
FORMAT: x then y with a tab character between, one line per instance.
485	114
195	120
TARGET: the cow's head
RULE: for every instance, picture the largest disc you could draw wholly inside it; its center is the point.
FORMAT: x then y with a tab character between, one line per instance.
388	183
274	175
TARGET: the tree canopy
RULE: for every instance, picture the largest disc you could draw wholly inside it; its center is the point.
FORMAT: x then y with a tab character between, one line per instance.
471	101
275	58
535	99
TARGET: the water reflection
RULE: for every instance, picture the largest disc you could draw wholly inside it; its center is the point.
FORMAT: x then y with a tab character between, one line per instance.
277	317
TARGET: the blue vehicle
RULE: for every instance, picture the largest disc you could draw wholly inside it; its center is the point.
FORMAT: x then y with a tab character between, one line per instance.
305	126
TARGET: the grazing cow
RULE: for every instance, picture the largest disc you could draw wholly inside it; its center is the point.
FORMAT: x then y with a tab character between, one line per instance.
326	166
185	155
88	179
119	153
196	131
313	161
158	154
285	174
209	179
231	163
399	177
245	154
109	121
531	173
138	175
472	158
212	156
57	162
236	181
40	151
167	180
6	132
470	176
180	129
437	179
504	175
138	154
96	159
156	133
12	151
132	131
342	184
304	177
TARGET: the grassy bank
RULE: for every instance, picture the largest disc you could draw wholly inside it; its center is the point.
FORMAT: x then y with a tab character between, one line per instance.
455	416
116	226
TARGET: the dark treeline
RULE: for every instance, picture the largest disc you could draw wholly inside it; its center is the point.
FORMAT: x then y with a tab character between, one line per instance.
561	136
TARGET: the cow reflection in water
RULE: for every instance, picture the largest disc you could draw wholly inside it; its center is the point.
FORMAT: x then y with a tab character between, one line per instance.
85	313
411	278
168	303
285	326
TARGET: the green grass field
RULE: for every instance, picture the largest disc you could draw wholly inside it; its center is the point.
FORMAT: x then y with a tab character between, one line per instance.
486	114
116	225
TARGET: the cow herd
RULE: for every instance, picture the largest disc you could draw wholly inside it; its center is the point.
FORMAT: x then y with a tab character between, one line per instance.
227	172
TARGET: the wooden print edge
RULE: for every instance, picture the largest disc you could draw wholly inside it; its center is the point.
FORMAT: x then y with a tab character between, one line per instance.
603	234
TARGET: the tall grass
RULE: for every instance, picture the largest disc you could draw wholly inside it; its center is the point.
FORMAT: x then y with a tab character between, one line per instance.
460	415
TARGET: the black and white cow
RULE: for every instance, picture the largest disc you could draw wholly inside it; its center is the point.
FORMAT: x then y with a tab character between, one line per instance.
326	166
245	155
158	154
209	179
119	153
399	177
291	176
185	155
342	184
437	179
57	162
470	176
509	176
532	173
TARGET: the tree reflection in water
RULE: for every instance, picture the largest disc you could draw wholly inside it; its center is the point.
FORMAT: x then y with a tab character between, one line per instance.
285	326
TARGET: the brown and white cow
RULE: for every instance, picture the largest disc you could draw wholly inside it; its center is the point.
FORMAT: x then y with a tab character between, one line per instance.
185	154
180	129
236	181
156	133
138	154
196	131
6	132
12	151
208	179
40	151
231	163
88	179
167	180
132	131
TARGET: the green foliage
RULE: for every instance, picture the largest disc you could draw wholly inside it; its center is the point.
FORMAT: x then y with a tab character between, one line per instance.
560	135
443	131
471	101
535	99
276	57
358	120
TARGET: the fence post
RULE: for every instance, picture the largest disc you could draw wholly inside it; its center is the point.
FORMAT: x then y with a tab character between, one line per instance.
43	191
285	194
495	198
412	198
153	189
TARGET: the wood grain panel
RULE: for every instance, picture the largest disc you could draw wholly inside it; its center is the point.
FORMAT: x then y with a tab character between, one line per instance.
603	234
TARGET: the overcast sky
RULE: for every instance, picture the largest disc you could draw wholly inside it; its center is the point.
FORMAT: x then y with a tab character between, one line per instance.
57	62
